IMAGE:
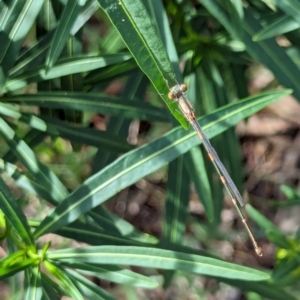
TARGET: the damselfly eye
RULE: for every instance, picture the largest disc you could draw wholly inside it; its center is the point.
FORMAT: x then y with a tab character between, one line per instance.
183	87
171	96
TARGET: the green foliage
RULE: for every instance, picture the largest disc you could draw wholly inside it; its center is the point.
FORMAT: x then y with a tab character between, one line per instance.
44	65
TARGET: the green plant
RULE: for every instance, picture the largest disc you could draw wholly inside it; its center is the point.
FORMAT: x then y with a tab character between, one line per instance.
57	76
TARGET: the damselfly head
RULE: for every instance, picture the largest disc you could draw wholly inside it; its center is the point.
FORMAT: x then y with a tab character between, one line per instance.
176	91
171	95
183	88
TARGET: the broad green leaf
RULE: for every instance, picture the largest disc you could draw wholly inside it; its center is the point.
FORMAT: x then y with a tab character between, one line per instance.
25	154
64	67
14	214
138	33
114	274
88	288
93	102
34	290
279	26
178	194
18	20
143	161
63	30
158	258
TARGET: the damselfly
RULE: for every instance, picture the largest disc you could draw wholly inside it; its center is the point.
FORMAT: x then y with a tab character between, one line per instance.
177	93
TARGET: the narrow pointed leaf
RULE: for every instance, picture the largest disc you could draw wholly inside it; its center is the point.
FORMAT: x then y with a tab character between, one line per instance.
64	67
158	258
63	30
25	182
114	274
93	102
15	215
89	136
178	192
265	289
290	7
17	267
25	154
200	179
29	119
64	280
88	288
14	28
34	291
35	55
279	26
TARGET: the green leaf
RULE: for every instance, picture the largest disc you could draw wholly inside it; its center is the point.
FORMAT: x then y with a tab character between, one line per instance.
271	55
25	154
290	7
278	239
111	72
29	119
17	267
132	21
113	274
178	192
93	102
15	25
63	30
268	52
140	162
23	181
50	289
64	67
91	234
87	288
102	139
64	280
35	55
49	293
279	26
222	16
265	289
15	215
114	224
196	172
34	290
261	220
157	258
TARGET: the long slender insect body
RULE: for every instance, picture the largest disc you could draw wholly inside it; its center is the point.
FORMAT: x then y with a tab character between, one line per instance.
177	93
